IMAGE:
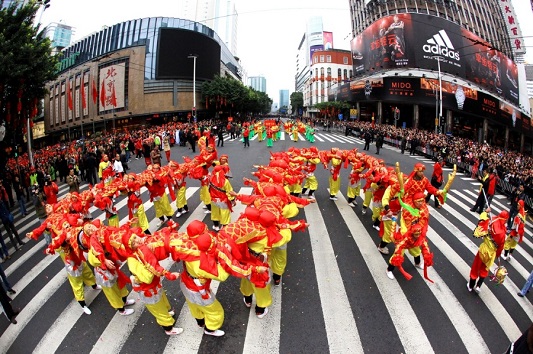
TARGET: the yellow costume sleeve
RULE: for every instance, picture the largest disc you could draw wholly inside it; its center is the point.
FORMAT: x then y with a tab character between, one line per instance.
193	268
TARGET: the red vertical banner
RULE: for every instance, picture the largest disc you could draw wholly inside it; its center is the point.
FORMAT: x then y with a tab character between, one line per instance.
69	95
102	95
82	91
95	92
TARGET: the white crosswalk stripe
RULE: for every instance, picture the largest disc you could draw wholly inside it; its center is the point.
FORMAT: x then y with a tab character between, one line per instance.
343	331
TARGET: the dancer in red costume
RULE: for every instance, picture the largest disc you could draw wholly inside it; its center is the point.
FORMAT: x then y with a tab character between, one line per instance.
492	230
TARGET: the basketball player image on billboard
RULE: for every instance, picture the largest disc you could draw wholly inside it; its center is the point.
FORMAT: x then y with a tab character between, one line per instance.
396	39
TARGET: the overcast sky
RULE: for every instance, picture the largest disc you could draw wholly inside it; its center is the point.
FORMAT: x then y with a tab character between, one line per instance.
269	32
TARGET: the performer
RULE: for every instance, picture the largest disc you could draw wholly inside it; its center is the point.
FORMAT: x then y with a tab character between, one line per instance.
78	272
417	182
517	232
390	216
414	240
295	132
493	232
437	179
269	135
146	281
221	199
159	196
180	187
354	187
106	263
335	157
104	164
136	212
312	160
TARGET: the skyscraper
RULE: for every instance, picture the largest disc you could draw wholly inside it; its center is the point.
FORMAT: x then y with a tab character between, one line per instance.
283	99
219	15
258	83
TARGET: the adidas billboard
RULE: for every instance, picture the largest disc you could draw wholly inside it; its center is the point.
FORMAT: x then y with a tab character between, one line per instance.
440	44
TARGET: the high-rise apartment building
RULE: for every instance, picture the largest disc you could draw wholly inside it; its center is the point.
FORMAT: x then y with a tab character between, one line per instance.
258	83
60	34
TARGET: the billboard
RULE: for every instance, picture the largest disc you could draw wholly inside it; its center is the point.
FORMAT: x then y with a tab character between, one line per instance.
328	40
423	41
315	48
112	87
176	45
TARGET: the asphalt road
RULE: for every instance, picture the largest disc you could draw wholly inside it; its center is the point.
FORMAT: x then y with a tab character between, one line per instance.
335	296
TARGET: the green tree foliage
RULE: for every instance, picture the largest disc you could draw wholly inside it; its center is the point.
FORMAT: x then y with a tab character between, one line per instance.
26	64
231	96
297	101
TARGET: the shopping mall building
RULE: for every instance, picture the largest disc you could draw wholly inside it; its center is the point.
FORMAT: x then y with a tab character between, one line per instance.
133	74
452	66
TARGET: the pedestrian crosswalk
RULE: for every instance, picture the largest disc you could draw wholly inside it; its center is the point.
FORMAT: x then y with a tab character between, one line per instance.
335	294
336	138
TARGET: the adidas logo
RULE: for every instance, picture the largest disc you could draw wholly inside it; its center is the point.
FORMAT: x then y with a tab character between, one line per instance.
440	44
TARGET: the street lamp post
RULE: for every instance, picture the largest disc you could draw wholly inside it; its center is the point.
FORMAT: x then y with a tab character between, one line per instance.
439	118
193	57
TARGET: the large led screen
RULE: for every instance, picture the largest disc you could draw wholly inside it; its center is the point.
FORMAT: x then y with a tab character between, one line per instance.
176	45
423	41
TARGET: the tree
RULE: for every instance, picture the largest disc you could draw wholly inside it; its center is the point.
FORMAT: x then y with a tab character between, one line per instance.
229	95
26	64
297	101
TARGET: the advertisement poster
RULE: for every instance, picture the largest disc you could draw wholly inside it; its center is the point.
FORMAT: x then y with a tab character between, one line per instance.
112	86
384	44
328	40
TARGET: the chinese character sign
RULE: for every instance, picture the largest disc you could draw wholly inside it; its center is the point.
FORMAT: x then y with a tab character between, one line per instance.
112	86
515	34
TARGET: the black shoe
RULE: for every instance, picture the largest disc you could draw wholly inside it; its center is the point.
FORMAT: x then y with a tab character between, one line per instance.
473	210
22	243
519	294
11	291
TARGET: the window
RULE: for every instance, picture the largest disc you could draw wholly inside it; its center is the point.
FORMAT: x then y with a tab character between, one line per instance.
321	58
345	60
328	58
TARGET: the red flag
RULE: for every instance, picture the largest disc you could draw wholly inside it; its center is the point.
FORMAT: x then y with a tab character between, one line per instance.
113	97
102	95
82	89
69	95
95	92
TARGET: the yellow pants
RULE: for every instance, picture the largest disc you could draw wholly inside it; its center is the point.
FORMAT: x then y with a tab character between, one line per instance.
334	186
212	314
368	197
353	191
221	215
205	197
387	231
86	277
278	260
142	219
114	295
181	199
160	311
162	207
311	183
262	295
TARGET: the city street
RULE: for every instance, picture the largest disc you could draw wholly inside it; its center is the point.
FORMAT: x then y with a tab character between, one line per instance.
335	296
